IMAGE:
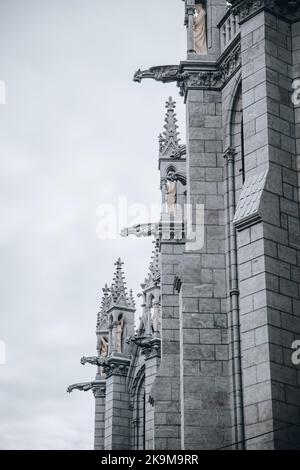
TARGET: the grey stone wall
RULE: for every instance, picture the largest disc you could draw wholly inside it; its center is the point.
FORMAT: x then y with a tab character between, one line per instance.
296	76
269	251
99	416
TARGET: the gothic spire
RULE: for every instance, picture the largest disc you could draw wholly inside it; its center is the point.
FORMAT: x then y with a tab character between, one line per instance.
153	277
119	285
101	317
169	141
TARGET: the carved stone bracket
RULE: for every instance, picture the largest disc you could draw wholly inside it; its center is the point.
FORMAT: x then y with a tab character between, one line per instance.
245	9
99	391
150	345
117	365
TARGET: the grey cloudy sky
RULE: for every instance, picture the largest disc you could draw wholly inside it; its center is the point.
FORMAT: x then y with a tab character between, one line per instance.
75	133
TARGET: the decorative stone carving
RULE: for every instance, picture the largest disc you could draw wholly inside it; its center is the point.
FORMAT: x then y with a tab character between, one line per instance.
215	78
97	387
99	391
160	73
94	360
141	230
200	30
211	78
117	366
82	387
150	345
289	9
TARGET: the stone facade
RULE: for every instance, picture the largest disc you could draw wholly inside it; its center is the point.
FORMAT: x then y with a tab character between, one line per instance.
210	365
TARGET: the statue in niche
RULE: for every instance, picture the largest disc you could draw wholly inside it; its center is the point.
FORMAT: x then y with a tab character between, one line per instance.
171	192
119	334
103	347
155	318
200	29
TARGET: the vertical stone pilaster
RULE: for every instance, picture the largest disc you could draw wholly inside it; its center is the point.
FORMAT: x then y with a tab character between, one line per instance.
152	362
99	393
166	388
117	404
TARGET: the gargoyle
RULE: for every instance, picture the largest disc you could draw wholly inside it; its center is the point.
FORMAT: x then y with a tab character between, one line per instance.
176	176
83	387
95	360
141	230
163	73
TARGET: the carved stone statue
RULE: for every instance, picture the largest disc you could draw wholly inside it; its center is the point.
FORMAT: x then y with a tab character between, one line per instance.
119	335
155	318
171	192
103	347
200	29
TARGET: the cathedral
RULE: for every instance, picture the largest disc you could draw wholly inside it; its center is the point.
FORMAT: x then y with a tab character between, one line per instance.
210	364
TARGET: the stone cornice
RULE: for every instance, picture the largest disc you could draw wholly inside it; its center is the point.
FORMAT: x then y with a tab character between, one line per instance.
212	78
245	9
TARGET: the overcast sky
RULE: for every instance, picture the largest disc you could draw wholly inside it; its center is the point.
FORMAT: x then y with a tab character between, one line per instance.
76	132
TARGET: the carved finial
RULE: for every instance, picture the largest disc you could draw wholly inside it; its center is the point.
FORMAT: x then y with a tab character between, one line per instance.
119	284
169	141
